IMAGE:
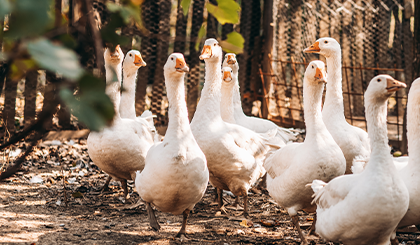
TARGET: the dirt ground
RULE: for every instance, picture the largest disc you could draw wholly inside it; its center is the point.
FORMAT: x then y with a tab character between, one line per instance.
33	209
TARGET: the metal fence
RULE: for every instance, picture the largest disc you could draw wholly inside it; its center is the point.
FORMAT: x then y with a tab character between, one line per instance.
376	37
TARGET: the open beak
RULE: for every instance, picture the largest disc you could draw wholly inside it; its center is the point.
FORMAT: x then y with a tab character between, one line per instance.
319	75
226	76
314	48
181	66
138	60
231	60
393	85
206	53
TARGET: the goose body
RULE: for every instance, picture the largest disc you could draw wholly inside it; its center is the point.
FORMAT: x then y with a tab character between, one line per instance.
353	141
409	173
234	154
318	157
365	208
175	176
119	150
232	112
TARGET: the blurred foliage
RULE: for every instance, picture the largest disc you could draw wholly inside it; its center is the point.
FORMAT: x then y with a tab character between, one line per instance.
226	12
32	42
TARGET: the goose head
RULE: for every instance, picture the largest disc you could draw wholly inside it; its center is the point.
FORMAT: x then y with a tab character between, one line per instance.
133	61
326	46
383	86
230	61
212	51
315	72
227	75
113	58
175	65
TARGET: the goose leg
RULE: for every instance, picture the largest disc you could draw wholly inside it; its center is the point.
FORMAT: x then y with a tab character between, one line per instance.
245	213
295	220
125	188
312	228
216	195
220	200
182	232
152	218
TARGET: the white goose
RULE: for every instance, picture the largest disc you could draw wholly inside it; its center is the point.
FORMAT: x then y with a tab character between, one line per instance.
238	116
318	157
132	62
365	208
352	140
175	176
409	174
234	154
120	149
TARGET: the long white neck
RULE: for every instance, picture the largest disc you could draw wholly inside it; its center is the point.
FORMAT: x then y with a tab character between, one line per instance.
312	94
113	87
208	107
226	105
128	96
237	102
333	106
376	113
413	124
179	123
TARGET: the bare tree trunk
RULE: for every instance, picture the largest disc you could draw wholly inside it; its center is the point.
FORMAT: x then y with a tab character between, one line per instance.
145	75
161	55
268	37
31	82
181	30
194	74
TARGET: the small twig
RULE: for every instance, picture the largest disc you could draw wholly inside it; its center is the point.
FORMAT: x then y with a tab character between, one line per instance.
14	168
64	184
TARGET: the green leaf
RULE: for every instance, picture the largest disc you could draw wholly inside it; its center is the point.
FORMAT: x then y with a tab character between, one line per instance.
127	12
234	43
55	58
93	108
185	4
30	18
19	68
226	11
201	34
5	8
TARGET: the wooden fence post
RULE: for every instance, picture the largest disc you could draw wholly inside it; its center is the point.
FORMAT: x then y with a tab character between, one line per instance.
268	35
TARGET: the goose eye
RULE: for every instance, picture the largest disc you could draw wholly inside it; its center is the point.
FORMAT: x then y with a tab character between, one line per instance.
313	67
230	71
130	55
214	44
325	41
172	58
379	79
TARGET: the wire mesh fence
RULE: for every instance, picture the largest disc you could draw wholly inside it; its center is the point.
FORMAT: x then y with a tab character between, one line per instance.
376	38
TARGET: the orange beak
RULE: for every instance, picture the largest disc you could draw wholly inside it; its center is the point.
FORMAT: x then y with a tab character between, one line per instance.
138	60
314	48
206	53
393	85
231	60
181	66
319	75
227	77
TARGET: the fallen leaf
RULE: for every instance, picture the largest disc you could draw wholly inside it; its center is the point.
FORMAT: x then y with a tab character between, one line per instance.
246	223
77	194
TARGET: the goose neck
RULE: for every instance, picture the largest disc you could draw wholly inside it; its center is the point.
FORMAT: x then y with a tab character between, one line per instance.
128	95
333	105
413	123
376	113
177	111
226	104
312	95
208	107
113	87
